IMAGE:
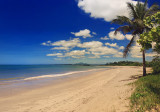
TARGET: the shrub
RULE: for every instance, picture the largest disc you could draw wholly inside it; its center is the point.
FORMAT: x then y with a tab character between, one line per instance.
156	65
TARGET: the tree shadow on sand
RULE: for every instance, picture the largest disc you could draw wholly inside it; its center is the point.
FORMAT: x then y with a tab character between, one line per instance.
133	77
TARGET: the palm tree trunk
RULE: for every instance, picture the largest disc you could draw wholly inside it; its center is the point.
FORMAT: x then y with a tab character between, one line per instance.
144	63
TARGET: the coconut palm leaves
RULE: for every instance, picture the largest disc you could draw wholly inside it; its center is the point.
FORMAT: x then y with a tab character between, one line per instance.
135	24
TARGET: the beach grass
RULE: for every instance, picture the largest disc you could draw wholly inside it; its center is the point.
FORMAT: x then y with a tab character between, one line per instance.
146	97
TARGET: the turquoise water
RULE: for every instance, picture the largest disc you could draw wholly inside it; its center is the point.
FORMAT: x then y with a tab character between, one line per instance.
12	72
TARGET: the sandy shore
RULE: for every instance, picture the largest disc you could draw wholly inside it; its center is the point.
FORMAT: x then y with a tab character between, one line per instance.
105	91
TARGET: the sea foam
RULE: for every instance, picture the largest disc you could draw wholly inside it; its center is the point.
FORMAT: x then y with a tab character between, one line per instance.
57	75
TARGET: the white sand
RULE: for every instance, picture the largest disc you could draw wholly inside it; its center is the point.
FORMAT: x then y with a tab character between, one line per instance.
105	91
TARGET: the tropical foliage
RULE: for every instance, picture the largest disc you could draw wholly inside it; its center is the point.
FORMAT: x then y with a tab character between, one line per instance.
152	22
156	65
124	63
136	25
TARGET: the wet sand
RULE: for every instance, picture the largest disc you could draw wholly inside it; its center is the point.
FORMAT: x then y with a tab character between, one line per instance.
103	91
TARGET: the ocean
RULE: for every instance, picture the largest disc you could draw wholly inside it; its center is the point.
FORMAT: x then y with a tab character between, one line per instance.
28	72
19	78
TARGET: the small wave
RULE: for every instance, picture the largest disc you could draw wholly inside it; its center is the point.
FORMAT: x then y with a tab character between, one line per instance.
57	75
8	79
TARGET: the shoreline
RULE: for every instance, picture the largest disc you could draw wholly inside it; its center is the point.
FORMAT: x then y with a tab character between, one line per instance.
12	87
101	91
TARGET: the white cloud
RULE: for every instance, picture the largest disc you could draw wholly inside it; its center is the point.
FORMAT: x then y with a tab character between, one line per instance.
152	54
56	54
66	45
128	37
103	51
93	57
115	45
48	43
136	52
118	55
60	48
153	45
112	44
118	36
83	33
112	28
77	57
104	38
45	44
94	33
76	53
91	44
121	48
106	9
106	56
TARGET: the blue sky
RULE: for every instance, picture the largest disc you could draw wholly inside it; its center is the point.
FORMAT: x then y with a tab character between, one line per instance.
27	25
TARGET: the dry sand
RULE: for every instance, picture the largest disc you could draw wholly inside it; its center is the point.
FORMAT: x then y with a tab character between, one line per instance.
105	91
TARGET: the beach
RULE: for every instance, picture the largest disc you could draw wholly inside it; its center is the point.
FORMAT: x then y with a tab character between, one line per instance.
103	91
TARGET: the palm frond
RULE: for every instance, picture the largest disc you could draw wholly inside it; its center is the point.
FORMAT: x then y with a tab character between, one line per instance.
140	9
133	13
121	20
138	22
127	49
146	3
154	8
125	29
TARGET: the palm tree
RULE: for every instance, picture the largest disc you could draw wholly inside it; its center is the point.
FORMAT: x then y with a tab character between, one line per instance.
135	26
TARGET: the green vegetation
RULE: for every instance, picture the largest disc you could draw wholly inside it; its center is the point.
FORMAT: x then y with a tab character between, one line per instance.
147	94
152	22
136	26
156	65
124	63
145	24
129	63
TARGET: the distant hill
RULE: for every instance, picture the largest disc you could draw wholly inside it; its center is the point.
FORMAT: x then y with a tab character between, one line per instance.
84	64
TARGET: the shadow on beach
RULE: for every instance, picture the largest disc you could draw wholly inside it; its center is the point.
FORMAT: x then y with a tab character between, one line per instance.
133	77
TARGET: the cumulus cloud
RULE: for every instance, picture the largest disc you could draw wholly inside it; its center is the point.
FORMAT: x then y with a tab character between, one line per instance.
153	45
104	38
112	44
92	44
48	43
112	28
78	57
128	37
65	45
136	52
103	50
115	45
76	53
118	55
83	33
106	56
60	48
105	9
121	47
93	57
118	36
94	33
55	54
